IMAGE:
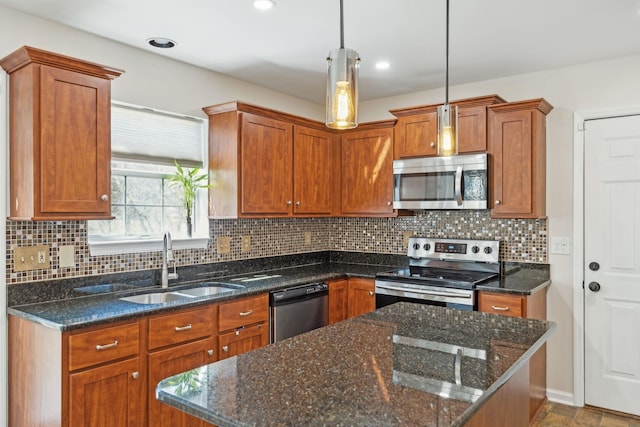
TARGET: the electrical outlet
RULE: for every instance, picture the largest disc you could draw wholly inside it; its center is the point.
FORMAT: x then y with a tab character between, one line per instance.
405	238
223	244
307	238
31	258
561	246
246	243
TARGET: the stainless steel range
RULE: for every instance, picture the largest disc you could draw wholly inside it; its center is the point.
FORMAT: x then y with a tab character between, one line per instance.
441	272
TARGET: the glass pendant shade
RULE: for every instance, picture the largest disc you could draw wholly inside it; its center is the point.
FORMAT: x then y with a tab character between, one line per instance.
342	89
447	130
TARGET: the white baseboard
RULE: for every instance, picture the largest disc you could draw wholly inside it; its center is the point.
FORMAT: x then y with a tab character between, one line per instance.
562	397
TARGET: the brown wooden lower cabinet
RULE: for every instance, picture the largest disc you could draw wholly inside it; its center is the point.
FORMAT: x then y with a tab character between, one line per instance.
106	375
350	297
172	361
532	306
110	395
243	340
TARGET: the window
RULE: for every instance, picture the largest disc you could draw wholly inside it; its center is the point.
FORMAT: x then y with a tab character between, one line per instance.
145	203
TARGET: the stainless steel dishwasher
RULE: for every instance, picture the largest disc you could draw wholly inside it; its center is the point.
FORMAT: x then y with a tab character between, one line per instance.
298	309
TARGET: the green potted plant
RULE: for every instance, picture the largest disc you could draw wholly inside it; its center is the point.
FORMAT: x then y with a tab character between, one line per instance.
190	181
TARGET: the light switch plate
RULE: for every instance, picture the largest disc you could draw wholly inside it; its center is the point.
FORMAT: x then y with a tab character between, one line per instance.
405	238
31	258
561	246
307	238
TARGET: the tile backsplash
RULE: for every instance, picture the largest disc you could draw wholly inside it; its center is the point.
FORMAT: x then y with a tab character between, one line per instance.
521	240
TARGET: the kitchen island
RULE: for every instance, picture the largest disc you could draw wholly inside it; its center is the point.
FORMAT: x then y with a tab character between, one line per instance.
404	364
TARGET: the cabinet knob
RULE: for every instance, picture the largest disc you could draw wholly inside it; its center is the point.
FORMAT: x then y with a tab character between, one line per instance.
497	202
433	144
104	198
389	203
135	375
288	202
298	203
370	293
210	352
225	348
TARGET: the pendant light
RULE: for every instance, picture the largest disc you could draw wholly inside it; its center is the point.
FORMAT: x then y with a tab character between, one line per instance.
342	85
447	114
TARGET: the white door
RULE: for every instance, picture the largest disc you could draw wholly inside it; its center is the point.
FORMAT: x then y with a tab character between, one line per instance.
612	263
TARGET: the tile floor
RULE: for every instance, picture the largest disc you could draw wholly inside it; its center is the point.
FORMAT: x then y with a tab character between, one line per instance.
557	415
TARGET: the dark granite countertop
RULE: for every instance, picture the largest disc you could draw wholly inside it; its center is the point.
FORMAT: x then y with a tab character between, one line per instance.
92	309
394	366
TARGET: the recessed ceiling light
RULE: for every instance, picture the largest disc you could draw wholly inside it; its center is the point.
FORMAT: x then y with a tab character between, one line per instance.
264	4
161	42
382	65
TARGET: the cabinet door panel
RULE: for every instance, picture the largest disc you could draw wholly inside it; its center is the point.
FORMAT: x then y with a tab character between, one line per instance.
362	297
173	361
472	129
367	172
111	395
266	166
243	340
338	301
417	135
313	171
75	146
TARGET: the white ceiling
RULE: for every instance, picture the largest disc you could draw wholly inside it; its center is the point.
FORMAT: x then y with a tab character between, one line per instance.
285	48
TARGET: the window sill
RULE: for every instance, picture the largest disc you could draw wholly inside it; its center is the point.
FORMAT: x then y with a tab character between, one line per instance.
116	247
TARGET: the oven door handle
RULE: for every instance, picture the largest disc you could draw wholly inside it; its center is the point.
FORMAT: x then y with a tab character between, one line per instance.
458	185
420	291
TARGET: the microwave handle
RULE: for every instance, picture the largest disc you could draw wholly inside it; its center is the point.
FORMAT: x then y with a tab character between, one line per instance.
458	185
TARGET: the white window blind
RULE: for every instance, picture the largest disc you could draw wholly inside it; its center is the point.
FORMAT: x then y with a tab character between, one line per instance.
155	136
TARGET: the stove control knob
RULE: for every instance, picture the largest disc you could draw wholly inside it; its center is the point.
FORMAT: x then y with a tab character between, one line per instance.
416	246
475	249
488	250
427	246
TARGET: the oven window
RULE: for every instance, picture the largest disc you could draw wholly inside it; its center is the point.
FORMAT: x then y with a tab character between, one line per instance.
433	186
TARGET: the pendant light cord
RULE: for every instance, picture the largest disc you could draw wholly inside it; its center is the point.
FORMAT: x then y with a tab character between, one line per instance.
341	26
446	66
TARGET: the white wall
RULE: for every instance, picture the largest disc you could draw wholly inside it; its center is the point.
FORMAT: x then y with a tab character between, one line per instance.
150	80
594	86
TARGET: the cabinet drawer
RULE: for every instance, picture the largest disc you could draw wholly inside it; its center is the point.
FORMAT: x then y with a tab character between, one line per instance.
242	340
246	311
180	327
103	345
509	305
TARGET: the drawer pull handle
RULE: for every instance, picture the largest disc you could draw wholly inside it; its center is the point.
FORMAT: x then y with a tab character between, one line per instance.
245	313
210	352
106	346
225	348
500	308
183	328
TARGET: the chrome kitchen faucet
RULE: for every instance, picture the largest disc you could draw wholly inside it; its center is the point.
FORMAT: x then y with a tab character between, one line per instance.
167	256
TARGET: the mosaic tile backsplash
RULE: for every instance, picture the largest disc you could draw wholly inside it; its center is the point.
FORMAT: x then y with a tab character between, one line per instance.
521	240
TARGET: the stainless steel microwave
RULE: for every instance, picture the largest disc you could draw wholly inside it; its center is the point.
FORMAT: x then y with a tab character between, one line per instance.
456	182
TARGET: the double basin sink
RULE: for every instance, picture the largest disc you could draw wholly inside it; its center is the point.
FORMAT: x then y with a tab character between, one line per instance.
204	290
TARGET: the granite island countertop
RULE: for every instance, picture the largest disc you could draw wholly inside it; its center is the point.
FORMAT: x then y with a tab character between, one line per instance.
394	366
82	309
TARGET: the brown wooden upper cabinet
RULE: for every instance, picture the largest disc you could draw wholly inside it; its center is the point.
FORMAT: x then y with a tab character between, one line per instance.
265	163
366	157
60	144
517	149
417	127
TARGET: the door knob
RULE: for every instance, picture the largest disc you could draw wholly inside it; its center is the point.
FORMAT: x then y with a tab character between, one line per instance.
594	286
594	266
